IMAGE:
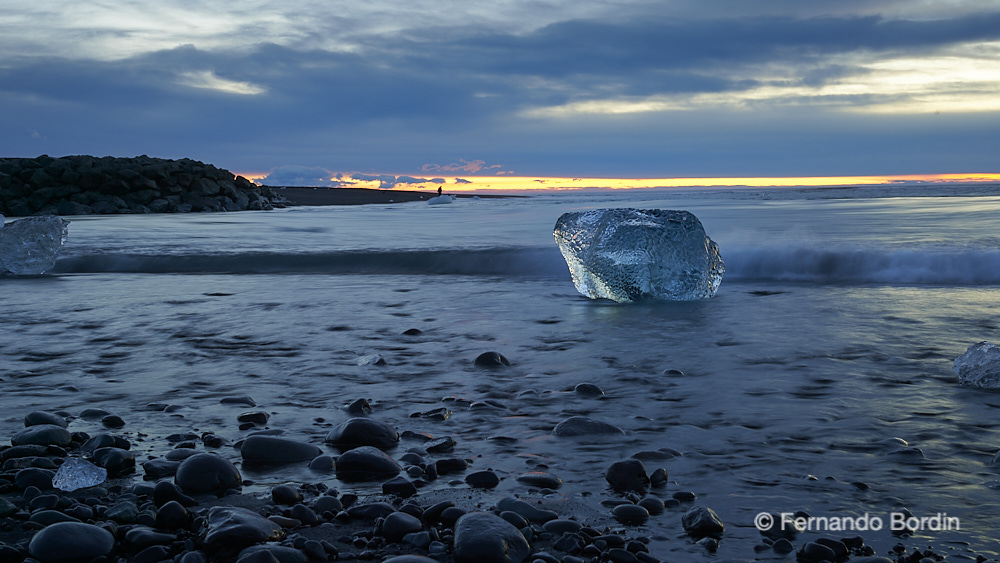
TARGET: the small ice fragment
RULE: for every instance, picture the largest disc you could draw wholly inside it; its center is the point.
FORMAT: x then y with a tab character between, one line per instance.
979	366
29	247
76	473
629	255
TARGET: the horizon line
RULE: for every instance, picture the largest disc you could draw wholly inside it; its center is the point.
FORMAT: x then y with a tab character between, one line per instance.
473	183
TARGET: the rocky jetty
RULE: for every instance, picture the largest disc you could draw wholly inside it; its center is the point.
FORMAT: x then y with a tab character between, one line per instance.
84	185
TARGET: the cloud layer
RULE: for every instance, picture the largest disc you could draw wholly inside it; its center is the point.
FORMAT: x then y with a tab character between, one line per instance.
553	88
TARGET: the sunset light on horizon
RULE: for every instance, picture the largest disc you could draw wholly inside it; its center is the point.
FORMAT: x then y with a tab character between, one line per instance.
502	184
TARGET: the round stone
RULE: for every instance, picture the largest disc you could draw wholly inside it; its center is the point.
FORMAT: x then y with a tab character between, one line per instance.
482	537
70	542
366	463
358	431
286	494
398	524
630	514
575	426
588	390
235	527
43	435
207	473
273	450
35	418
491	360
540	479
485	479
171	516
701	521
627	475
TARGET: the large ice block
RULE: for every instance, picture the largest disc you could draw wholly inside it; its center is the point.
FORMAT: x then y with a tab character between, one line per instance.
30	246
979	366
630	255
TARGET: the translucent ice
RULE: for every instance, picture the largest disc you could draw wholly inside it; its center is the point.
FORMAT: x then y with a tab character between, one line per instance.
628	255
76	473
979	366
29	247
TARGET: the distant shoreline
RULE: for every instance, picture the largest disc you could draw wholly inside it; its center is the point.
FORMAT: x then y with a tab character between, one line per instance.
305	196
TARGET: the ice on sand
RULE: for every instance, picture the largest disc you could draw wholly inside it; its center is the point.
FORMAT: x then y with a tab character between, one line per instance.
629	255
979	366
76	473
29	247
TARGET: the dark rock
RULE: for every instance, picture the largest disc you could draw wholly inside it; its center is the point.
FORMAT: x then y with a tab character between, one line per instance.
627	475
40	417
43	435
440	445
113	421
70	541
322	463
399	486
256	417
359	431
652	504
485	479
529	511
371	511
561	526
366	463
233	527
160	468
410	559
816	552
450	465
840	550
172	516
782	546
270	552
165	491
286	494
272	450
141	537
588	390
701	521
34	477
116	460
152	554
207	473
583	426
491	360
47	517
240	400
481	537
96	442
360	407
632	514
540	479
304	514
398	524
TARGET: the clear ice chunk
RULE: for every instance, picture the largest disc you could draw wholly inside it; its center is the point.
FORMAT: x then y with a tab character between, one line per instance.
30	246
629	255
979	366
76	473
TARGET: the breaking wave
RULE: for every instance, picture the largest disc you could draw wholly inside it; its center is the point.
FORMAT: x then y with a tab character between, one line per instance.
791	264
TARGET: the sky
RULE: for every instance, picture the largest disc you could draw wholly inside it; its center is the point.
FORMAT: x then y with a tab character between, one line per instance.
398	92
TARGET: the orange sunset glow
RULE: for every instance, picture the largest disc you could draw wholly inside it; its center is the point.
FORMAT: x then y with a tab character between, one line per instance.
503	184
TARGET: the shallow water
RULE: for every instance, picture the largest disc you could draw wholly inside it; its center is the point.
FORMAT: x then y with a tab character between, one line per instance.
793	387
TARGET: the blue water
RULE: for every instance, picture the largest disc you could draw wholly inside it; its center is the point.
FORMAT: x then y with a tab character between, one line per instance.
832	335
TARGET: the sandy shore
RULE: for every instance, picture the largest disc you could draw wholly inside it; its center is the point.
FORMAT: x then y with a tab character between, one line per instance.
359	196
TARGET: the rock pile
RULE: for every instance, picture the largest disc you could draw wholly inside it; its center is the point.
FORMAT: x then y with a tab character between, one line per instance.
84	185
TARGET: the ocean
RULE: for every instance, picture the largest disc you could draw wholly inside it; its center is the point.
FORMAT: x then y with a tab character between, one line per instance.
818	379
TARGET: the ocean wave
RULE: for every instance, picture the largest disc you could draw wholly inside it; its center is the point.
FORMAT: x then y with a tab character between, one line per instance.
862	266
776	264
524	262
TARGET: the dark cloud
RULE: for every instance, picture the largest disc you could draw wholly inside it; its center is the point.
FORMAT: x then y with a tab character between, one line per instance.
397	105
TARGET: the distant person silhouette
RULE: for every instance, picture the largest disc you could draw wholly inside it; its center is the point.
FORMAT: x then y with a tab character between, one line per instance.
439	190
